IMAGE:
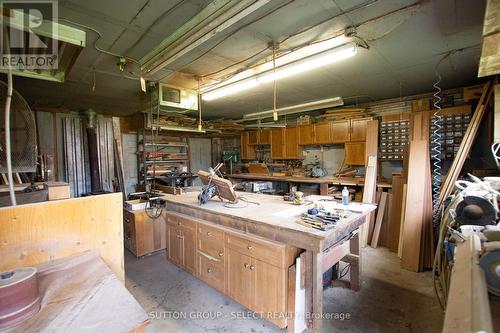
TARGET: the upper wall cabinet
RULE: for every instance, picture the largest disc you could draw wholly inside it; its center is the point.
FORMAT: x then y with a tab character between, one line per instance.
277	143
322	133
306	134
285	143
253	137
340	131
260	137
247	151
358	129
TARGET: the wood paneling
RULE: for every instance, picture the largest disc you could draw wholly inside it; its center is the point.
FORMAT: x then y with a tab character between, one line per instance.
306	134
36	233
340	131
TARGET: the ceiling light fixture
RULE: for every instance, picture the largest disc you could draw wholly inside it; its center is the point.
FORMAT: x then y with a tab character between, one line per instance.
293	68
299	108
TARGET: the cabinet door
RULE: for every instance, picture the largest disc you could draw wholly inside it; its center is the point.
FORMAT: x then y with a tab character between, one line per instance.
269	291
188	239
340	131
322	133
277	143
292	143
243	145
174	245
239	277
306	134
358	129
265	137
355	153
253	137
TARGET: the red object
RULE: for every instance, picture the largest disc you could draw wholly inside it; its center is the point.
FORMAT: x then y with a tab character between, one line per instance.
19	296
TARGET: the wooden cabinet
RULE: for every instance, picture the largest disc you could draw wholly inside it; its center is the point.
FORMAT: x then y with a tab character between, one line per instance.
181	247
257	275
306	134
340	131
354	153
239	278
278	143
247	152
250	270
292	143
265	137
285	143
142	234
322	133
358	129
253	138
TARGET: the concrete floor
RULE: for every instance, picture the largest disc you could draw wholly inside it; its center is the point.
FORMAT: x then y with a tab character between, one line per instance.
390	300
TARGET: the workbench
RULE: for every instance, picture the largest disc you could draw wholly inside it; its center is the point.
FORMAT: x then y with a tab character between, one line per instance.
323	182
217	244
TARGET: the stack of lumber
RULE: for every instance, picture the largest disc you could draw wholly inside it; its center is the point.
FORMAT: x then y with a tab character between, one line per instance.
416	239
466	144
370	184
225	125
159	156
344	113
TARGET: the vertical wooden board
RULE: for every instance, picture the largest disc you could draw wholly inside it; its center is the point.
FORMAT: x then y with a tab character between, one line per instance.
371	147
369	189
36	233
292	286
402	219
414	206
380	217
395	213
385	221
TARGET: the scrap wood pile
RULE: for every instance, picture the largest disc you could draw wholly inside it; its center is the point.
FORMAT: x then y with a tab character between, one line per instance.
225	126
344	113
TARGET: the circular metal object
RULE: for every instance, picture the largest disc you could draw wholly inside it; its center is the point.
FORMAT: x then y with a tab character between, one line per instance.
19	296
490	262
475	210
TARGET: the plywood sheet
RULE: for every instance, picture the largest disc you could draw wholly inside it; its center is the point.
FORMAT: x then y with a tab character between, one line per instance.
36	233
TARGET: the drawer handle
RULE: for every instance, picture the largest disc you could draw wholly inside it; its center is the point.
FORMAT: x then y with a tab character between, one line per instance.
221	253
127	220
246	265
249	247
178	223
209	233
180	237
209	270
252	267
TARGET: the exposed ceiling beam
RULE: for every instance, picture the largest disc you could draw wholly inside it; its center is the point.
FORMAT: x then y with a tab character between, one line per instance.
210	22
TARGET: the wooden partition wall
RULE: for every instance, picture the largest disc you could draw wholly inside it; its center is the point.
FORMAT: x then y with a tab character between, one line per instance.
36	233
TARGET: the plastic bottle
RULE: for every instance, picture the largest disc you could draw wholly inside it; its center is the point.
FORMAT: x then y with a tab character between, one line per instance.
345	196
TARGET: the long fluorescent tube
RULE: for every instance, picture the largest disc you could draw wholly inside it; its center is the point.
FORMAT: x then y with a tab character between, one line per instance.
302	65
299	108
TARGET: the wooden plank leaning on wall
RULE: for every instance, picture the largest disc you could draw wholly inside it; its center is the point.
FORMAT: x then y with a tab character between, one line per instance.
36	233
370	185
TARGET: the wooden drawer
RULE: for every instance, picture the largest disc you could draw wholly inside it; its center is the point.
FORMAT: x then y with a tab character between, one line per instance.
211	271
211	240
181	220
272	253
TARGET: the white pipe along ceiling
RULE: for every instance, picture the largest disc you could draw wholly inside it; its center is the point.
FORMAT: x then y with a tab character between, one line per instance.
399	44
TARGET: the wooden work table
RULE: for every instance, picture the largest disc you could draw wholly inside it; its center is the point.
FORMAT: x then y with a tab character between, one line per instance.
272	221
323	182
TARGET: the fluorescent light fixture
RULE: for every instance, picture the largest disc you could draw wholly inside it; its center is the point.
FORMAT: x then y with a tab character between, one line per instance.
299	108
308	63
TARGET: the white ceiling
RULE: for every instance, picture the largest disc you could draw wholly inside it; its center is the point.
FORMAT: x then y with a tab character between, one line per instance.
405	48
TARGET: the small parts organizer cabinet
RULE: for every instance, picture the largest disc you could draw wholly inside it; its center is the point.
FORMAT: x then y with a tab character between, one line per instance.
143	235
250	270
